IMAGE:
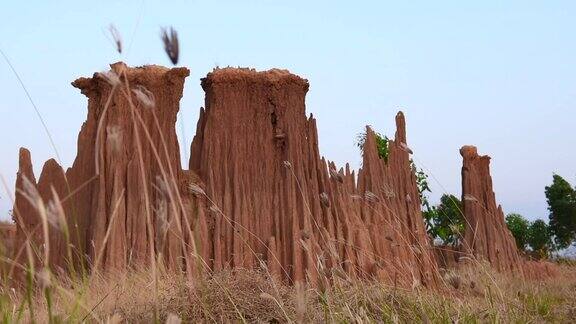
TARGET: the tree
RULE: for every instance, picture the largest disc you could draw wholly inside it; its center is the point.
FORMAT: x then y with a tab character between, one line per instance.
519	226
561	199
445	221
539	237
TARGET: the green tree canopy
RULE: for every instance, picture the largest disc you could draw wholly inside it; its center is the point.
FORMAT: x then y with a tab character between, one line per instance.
445	221
561	199
539	237
518	225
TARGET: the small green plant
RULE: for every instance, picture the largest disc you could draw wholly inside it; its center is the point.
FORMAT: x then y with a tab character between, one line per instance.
382	144
422	183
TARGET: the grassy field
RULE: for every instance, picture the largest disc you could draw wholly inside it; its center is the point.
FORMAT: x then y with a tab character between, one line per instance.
470	295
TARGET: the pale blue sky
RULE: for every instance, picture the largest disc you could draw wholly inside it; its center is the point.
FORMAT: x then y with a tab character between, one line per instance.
497	74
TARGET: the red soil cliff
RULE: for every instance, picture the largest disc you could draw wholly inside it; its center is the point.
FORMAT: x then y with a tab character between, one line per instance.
257	153
257	189
129	161
126	169
486	234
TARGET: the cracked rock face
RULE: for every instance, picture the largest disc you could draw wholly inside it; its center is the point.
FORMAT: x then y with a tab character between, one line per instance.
258	193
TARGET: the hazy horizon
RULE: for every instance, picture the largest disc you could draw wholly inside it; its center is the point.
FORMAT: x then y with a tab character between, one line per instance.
498	76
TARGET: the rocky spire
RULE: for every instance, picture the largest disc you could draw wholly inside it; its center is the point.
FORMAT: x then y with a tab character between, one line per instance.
258	193
486	234
122	196
257	153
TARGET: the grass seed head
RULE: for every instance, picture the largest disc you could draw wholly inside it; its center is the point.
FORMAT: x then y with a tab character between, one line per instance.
214	209
31	193
405	147
44	278
162	186
111	77
171	46
116	37
173	319
54	214
114	137
371	197
196	189
145	96
114	319
336	175
388	192
324	199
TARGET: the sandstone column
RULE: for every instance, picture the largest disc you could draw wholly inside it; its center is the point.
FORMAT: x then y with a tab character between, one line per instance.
486	235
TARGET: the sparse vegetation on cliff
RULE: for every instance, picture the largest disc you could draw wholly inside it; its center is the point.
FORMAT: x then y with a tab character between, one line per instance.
381	144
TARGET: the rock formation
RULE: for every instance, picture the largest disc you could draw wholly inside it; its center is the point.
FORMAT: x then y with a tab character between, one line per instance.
276	198
129	164
486	234
258	193
119	197
7	234
25	213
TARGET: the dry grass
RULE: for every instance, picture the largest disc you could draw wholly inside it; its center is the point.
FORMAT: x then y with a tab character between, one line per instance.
473	294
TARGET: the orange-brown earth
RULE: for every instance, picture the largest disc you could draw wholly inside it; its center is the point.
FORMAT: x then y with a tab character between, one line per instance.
257	192
486	236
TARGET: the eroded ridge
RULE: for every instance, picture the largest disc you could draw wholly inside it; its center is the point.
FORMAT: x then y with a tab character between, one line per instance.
486	235
258	193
